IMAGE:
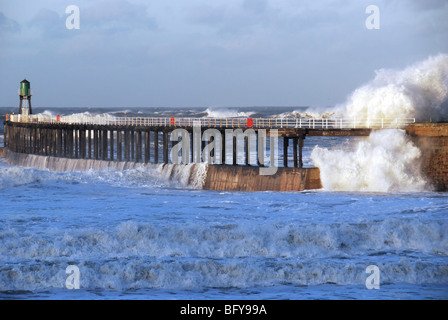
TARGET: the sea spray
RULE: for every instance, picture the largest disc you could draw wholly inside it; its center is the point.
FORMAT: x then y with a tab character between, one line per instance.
309	114
385	161
226	113
419	91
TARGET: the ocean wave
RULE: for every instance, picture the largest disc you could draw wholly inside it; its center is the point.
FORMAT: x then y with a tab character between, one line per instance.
226	113
387	160
418	91
142	255
122	174
235	241
304	115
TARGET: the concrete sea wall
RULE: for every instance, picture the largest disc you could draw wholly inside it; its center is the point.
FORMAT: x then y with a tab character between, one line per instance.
209	177
432	140
245	178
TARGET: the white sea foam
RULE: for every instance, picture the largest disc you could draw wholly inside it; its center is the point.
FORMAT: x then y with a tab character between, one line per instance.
226	113
309	114
387	160
419	91
77	117
191	175
141	255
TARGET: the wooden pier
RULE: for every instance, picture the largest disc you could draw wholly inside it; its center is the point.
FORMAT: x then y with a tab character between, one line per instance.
236	149
149	140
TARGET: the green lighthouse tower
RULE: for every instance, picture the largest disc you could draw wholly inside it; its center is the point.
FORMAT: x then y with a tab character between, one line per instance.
25	94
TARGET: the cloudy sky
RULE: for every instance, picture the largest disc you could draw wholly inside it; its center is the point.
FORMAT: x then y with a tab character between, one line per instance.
209	53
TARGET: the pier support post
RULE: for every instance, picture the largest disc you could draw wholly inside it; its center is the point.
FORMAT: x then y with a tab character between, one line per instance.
192	145
95	144
156	146
104	151
45	134
295	141
70	143
60	153
127	143
44	139
223	147
132	145
64	142
261	142
285	151
100	143
138	137
301	138
119	144
36	140
147	146
89	143
82	139
165	147
111	143
127	140
234	147
76	154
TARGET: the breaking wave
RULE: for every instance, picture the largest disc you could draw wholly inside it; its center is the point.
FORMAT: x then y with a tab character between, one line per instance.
190	175
387	160
134	255
419	91
226	113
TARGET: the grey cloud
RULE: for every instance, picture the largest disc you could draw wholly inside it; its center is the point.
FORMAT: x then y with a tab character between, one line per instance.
428	4
255	6
117	15
50	23
105	18
231	19
8	25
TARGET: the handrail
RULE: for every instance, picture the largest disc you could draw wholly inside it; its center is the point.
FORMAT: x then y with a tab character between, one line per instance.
259	123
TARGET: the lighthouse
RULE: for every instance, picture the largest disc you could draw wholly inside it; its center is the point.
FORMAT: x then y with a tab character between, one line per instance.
25	94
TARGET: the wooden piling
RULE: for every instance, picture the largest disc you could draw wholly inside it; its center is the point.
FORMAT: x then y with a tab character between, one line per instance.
147	146
119	145
156	146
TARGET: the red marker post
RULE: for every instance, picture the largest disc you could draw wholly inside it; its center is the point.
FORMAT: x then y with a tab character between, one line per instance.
250	122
